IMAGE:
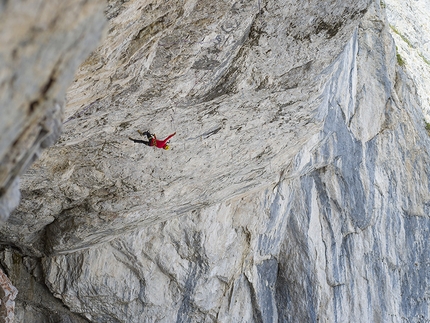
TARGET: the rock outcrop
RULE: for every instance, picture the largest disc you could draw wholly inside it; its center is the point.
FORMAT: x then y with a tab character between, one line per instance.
296	188
41	45
8	293
411	29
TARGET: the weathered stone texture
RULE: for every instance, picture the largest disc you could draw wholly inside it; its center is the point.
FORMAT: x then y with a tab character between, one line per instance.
8	293
256	109
410	28
296	189
34	302
41	45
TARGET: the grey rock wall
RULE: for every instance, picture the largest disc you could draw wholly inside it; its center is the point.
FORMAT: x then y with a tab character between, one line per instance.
227	145
41	45
34	302
296	188
8	293
410	29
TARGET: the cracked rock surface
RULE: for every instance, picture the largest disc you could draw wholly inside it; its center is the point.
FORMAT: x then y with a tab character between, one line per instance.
41	45
296	188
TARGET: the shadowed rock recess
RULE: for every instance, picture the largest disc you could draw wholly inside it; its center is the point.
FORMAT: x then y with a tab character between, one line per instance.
296	189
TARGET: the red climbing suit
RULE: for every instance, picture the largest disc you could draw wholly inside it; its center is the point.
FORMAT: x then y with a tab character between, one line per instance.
160	143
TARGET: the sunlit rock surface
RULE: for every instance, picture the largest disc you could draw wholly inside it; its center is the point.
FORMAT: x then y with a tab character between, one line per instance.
238	124
410	27
41	45
296	190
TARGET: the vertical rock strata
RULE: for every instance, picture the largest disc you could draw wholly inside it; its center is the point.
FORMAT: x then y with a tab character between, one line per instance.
296	189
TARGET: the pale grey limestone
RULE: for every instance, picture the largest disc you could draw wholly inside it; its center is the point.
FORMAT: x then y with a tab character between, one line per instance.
410	28
297	188
41	45
34	302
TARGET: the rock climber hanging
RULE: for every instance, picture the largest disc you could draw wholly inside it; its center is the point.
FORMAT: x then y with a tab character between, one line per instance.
152	140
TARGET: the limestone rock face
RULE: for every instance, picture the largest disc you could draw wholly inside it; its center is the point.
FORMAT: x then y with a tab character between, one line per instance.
238	122
296	189
34	302
41	45
410	28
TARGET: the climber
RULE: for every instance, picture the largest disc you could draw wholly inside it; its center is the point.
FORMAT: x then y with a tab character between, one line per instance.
152	140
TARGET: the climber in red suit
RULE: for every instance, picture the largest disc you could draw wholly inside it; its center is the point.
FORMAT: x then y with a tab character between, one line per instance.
152	140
